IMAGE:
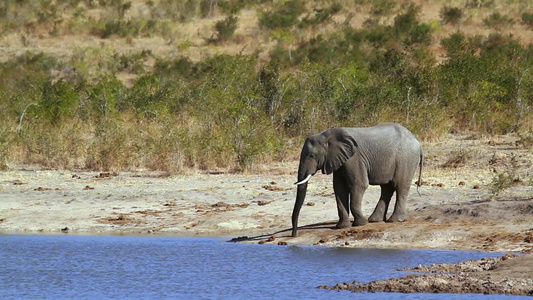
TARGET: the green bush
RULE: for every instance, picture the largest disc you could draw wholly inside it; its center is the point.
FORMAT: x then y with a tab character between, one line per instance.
231	7
282	17
5	139
226	28
105	100
405	22
320	15
507	178
527	19
133	27
419	35
383	7
181	11
58	101
497	21
451	15
456	44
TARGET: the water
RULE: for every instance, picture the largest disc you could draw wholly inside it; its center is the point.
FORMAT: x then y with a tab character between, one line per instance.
126	267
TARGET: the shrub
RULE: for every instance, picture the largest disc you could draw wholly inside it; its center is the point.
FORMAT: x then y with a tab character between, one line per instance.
106	99
58	101
527	19
455	44
497	21
182	11
133	27
404	23
383	7
379	35
320	15
507	178
5	138
133	63
207	7
457	158
231	7
226	28
451	15
419	34
479	3
282	17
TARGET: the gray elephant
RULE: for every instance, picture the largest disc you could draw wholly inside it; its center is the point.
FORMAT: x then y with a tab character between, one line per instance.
386	155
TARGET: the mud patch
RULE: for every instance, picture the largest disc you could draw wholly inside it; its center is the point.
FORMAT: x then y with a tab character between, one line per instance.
476	276
121	219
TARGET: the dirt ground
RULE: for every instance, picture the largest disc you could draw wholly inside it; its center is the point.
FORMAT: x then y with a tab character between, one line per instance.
500	275
455	209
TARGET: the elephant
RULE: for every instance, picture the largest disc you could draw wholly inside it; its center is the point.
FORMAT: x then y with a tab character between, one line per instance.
387	155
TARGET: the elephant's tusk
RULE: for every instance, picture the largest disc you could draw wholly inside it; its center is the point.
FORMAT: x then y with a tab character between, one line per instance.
305	180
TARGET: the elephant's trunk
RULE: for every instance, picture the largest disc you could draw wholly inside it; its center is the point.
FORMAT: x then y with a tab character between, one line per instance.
300	197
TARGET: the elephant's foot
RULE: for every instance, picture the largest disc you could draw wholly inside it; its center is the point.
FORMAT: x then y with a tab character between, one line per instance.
359	221
397	217
343	224
376	218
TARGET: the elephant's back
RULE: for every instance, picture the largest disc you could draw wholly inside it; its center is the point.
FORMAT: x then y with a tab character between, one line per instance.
383	132
388	142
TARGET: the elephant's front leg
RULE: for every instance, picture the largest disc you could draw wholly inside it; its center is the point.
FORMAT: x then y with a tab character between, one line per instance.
357	193
342	195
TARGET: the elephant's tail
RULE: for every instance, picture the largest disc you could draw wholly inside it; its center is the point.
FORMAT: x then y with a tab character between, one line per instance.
421	164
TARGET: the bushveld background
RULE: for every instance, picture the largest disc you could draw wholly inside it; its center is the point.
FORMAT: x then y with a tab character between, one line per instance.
206	84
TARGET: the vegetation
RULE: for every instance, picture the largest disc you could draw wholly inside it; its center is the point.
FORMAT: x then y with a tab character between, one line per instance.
452	15
507	178
231	109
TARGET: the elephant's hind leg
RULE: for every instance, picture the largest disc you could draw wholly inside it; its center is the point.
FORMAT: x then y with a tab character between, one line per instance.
380	212
400	211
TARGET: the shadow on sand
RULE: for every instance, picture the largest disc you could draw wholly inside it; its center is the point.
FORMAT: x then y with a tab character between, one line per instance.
323	225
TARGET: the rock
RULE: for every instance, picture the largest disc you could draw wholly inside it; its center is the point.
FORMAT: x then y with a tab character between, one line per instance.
273	188
282	243
271	239
40	189
262	202
106	174
64	230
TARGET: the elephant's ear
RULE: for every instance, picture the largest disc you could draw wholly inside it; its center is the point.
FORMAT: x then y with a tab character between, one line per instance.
341	146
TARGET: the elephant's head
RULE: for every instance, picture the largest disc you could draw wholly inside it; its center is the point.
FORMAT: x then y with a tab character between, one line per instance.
326	151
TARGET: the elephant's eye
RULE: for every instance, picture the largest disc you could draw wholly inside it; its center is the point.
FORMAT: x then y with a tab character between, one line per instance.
311	156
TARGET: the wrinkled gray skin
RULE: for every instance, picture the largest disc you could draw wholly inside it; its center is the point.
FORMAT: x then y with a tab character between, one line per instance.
387	155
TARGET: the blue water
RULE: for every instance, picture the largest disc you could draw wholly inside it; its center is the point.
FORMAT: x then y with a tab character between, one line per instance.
152	267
